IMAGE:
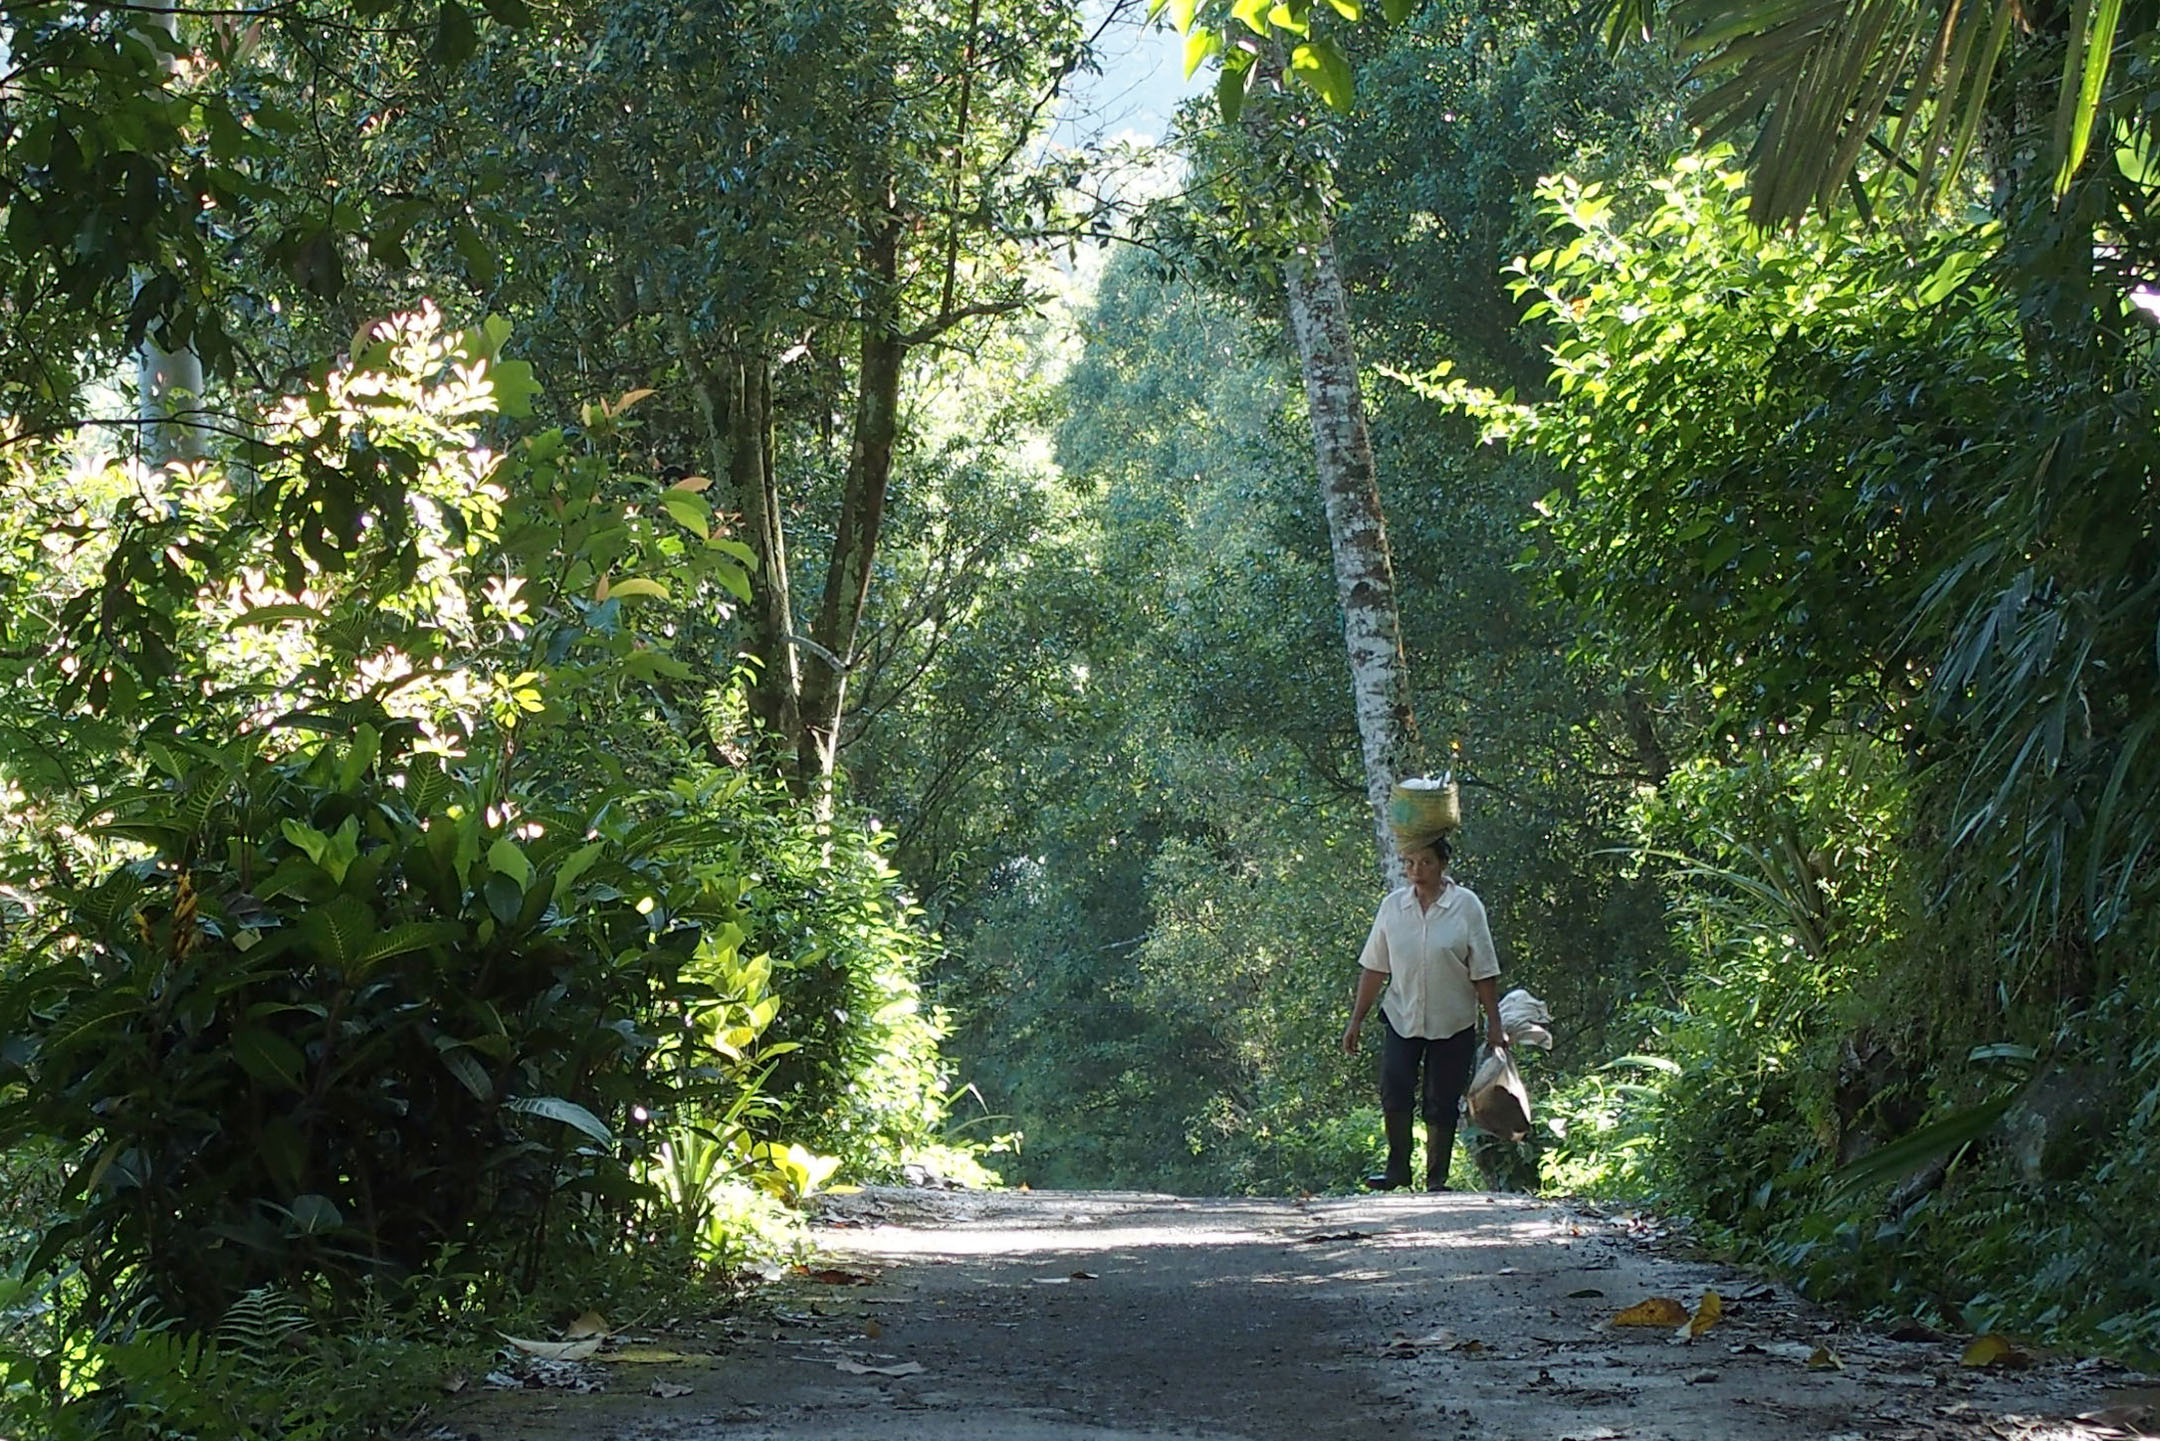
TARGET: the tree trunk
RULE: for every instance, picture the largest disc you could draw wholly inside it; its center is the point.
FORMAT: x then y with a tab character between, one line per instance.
734	400
168	383
862	508
1357	529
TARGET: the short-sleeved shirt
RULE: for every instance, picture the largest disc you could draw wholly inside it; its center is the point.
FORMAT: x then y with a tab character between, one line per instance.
1430	957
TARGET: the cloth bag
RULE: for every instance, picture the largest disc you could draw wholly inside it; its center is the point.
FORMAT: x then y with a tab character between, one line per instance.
1499	1103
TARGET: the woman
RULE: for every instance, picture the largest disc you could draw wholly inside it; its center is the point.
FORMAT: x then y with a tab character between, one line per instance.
1431	952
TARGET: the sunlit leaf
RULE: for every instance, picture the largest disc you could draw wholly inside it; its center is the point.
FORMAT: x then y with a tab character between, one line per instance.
689	512
1661	1311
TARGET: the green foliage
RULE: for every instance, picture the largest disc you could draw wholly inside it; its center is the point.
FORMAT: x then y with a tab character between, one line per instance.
1854	498
349	1012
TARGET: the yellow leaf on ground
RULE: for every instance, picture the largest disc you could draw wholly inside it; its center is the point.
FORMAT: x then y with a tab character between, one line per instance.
1708	1313
1993	1350
588	1324
1657	1311
1825	1359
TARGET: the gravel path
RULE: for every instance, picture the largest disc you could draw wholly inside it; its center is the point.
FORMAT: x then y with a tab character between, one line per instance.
1018	1316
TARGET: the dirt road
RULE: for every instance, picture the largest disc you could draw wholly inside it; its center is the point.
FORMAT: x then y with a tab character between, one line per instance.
1100	1317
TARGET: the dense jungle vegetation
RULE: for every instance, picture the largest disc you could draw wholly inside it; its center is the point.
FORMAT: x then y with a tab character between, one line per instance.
612	615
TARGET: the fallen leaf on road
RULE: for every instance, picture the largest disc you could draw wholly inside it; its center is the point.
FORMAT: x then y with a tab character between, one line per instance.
588	1324
1993	1350
1083	1276
835	1276
1708	1313
1318	1237
1403	1346
668	1390
872	1329
856	1368
1822	1358
557	1350
1657	1311
1584	1293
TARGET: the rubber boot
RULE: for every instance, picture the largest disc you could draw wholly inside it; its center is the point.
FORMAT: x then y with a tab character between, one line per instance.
1397	1174
1439	1151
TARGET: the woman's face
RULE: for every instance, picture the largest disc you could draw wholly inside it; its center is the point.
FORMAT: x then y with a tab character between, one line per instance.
1424	869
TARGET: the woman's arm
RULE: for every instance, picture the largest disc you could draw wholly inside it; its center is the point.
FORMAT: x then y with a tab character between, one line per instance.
1488	994
1370	984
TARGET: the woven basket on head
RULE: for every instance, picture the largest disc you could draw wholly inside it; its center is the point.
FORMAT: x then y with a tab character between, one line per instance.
1421	810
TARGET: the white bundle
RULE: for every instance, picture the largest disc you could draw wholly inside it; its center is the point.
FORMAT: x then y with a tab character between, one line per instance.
1526	1019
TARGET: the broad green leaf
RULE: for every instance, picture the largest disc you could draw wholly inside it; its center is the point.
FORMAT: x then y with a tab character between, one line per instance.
508	860
689	511
1181	15
1348	9
338	933
570	1113
1322	67
575	865
459	1060
314	1215
1284	18
735	578
1199	45
270	1058
735	549
515	385
1230	88
456	37
405	938
1253	13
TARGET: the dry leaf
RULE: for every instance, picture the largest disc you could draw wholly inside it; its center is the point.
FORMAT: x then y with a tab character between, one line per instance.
872	1329
1994	1350
856	1368
1822	1358
455	1382
1708	1313
588	1324
1657	1311
692	483
1083	1276
835	1276
668	1390
1319	1236
1584	1293
557	1350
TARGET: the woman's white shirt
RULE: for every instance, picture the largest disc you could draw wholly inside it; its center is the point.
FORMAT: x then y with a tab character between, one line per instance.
1430	956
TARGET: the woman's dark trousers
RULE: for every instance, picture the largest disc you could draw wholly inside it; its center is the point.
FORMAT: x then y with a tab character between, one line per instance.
1446	1067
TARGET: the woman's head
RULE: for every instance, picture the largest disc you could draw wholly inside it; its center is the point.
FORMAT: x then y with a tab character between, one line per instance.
1427	861
1438	848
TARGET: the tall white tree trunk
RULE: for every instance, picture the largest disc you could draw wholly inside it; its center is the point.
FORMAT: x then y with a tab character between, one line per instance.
1357	529
168	383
